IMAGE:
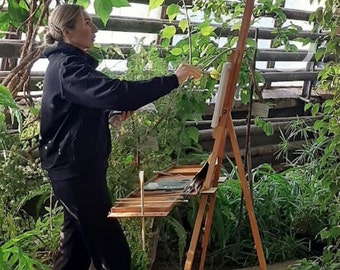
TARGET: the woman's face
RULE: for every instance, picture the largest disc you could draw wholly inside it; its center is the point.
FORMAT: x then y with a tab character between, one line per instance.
83	33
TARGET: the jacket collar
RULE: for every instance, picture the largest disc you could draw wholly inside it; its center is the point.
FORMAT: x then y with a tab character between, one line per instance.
69	49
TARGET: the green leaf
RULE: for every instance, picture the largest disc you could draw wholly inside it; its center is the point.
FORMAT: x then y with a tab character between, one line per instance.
203	24
176	51
165	42
335	232
307	106
245	97
128	159
318	124
207	30
324	234
172	11
328	103
319	53
258	121
17	12
233	41
168	31
155	4
103	9
315	109
83	3
251	43
6	98
192	133
120	3
268	129
183	24
236	26
4	22
14	257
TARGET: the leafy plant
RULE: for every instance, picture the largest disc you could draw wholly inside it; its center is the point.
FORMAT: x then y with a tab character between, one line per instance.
19	253
173	238
8	109
287	211
155	136
13	257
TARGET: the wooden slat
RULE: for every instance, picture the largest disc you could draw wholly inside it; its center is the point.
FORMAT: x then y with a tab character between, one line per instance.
293	14
189	170
153	26
158	202
137	214
280	55
290	76
11	49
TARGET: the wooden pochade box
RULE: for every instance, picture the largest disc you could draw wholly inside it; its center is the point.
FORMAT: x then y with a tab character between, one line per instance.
161	193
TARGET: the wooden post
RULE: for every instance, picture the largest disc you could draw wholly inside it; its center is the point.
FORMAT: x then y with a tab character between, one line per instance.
141	179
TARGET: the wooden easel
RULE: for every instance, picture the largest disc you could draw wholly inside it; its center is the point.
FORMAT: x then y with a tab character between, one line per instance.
141	203
225	128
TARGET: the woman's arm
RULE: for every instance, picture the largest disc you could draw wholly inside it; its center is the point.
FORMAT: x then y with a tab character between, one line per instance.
82	84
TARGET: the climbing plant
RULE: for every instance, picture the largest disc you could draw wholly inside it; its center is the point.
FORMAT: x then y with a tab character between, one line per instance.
28	17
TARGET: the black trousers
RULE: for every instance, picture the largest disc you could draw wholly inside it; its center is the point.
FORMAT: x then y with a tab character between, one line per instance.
87	234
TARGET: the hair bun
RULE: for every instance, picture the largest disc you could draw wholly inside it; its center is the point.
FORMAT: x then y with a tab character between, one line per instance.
49	39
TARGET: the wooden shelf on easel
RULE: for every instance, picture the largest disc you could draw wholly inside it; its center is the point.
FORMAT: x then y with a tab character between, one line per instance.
157	203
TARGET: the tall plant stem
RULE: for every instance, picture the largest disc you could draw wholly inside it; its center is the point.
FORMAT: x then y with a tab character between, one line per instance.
189	32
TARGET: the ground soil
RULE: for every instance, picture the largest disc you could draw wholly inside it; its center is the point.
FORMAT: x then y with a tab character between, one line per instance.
276	266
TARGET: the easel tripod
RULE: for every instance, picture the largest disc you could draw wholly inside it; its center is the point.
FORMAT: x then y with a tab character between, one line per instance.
156	203
223	129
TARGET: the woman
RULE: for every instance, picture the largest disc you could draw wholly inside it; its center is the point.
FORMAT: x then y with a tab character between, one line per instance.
75	138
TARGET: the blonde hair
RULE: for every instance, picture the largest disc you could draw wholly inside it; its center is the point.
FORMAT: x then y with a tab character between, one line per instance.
62	17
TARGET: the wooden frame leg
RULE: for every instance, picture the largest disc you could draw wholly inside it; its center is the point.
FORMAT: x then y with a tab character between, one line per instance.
246	194
196	232
207	227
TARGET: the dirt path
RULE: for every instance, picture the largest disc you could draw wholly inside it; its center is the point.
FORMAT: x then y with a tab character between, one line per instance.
276	266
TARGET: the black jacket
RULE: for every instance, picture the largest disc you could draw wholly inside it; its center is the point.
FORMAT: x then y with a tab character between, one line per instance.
74	131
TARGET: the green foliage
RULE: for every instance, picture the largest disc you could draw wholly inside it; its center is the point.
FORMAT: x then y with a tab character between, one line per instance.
19	170
8	109
288	205
17	252
132	228
173	237
155	3
327	18
288	215
18	174
264	125
17	14
154	137
48	226
13	257
21	183
271	8
328	261
103	8
319	159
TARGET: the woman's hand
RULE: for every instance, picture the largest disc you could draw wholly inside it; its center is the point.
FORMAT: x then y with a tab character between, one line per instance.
125	115
184	72
117	118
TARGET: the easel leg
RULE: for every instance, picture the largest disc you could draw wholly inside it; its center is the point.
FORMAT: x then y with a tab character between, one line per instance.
196	232
246	194
207	227
212	198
